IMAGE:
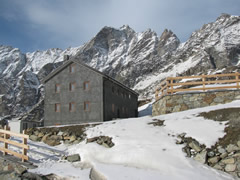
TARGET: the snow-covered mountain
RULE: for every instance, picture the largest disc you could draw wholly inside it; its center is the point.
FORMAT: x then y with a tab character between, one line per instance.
139	60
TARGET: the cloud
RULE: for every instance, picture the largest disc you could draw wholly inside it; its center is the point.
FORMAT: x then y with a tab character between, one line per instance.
62	23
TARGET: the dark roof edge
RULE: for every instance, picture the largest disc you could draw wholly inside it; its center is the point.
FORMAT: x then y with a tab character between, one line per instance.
56	71
60	68
106	76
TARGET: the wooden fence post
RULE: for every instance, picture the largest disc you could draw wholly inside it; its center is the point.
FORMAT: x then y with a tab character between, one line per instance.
171	86
167	83
203	80
237	78
162	91
24	150
5	136
156	94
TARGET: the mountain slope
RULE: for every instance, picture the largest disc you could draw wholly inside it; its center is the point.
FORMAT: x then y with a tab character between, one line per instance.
139	60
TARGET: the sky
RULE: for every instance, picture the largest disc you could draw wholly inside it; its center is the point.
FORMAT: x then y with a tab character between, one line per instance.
39	25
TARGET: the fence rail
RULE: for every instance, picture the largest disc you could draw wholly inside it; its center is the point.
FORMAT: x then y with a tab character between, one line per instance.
173	85
5	135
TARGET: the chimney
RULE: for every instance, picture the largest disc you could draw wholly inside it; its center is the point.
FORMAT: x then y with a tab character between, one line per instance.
66	57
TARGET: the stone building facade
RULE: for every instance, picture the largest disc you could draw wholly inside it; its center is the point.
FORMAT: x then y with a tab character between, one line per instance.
3	108
76	93
185	101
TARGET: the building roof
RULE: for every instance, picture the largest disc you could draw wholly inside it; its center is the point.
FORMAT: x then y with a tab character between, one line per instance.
73	60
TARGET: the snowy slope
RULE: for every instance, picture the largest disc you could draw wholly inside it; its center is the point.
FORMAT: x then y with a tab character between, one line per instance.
142	151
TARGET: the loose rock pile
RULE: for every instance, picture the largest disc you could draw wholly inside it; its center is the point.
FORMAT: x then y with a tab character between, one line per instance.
222	158
10	170
55	136
67	135
157	122
102	140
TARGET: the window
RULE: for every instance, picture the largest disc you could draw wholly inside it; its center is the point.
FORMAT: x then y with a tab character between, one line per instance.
57	88
86	86
113	89
129	96
113	108
118	92
72	68
57	107
72	86
34	125
72	106
86	106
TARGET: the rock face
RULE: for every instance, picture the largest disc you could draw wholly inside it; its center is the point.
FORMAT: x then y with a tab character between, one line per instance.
139	60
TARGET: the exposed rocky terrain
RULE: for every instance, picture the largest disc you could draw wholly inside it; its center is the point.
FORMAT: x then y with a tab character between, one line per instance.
225	154
139	60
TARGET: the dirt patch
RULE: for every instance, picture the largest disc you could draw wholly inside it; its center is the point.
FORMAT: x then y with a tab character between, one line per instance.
232	115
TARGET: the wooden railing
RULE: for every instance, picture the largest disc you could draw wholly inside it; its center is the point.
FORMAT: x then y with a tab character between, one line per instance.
173	85
5	135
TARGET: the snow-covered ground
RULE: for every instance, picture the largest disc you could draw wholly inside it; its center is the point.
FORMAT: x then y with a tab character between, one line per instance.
142	151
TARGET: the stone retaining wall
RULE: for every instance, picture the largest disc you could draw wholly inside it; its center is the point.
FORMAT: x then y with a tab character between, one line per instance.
185	101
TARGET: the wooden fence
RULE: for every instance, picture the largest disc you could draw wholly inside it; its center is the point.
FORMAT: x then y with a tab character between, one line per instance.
173	85
5	135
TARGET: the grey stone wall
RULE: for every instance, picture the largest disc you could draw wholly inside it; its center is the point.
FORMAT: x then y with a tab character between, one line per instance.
79	96
125	102
181	102
3	108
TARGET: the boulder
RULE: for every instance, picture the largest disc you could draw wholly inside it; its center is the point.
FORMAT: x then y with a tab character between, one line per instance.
8	175
89	140
33	138
45	137
210	154
60	133
195	145
230	167
201	157
223	155
96	175
228	161
30	175
238	143
40	135
36	133
232	148
73	138
218	167
186	149
55	137
52	142
221	150
73	158
20	169
182	135
213	160
238	166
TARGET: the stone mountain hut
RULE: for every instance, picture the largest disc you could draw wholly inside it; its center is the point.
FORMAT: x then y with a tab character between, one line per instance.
76	93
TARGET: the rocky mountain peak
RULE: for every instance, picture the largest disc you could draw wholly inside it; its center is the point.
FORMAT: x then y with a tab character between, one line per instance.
138	60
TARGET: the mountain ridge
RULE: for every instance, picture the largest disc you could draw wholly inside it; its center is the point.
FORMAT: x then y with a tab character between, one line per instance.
138	60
